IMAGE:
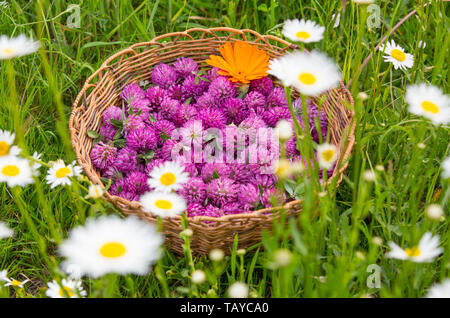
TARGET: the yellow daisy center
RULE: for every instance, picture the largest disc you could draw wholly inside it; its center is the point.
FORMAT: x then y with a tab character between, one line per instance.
4	148
307	78
62	172
68	290
283	169
430	107
168	179
15	283
164	204
398	55
327	155
303	35
113	250
8	51
98	192
10	170
413	251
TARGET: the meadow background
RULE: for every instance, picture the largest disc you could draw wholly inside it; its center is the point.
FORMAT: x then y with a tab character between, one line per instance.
332	255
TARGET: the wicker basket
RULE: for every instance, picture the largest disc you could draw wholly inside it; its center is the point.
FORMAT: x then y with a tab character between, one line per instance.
135	63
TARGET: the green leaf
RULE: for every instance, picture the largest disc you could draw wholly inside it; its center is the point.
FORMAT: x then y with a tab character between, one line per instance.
198	77
92	134
119	143
164	136
215	175
263	7
105	180
174	18
116	123
147	156
99	43
117	135
300	191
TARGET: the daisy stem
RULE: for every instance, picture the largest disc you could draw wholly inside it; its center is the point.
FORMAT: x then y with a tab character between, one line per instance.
308	153
187	244
31	158
14	105
298	130
359	39
61	124
49	216
241	267
159	268
111	283
303	147
17	194
161	276
14	108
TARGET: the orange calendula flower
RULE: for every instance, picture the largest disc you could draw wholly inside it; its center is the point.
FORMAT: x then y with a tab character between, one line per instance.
242	62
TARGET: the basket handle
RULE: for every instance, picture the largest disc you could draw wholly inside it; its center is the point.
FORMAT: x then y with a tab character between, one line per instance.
386	37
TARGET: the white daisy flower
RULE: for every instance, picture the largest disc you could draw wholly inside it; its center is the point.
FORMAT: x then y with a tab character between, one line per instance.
428	101
310	73
238	290
3	275
370	176
303	31
282	257
73	289
198	277
426	251
186	233
284	130
5	231
396	55
168	177
440	290
446	168
434	212
241	251
280	68
284	168
336	17
60	173
163	204
95	191
112	245
36	165
6	144
72	270
216	254
18	46
327	154
10	281
15	171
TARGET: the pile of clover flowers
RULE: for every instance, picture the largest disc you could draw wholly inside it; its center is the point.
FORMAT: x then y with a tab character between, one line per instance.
109	244
138	152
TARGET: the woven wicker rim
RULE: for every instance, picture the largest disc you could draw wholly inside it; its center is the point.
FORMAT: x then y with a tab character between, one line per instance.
176	38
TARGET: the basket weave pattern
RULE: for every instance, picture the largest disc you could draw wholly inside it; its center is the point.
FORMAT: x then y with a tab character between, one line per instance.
131	65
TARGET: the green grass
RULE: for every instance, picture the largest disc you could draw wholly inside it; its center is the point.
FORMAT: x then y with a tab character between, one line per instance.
331	252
